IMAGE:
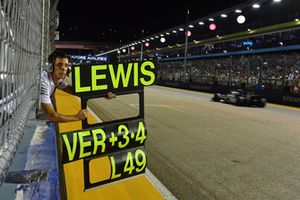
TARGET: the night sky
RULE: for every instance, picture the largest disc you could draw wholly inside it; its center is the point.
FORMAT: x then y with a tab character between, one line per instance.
122	21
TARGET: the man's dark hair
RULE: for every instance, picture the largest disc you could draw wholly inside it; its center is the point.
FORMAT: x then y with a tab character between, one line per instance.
58	54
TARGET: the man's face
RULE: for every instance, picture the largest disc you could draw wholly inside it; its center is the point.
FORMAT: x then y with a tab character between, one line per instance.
61	67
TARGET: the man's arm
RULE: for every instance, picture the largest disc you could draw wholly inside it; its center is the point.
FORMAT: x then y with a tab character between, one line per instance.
56	117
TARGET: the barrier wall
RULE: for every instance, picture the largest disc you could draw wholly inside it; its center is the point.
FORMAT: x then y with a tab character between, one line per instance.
272	96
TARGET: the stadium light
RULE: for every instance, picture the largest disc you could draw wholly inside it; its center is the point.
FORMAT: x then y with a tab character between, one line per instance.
210	20
212	27
256	5
162	40
189	33
241	19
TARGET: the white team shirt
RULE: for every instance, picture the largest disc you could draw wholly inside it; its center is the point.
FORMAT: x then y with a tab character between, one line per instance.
48	87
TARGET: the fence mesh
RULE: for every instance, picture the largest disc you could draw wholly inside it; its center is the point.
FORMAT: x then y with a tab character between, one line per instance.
24	36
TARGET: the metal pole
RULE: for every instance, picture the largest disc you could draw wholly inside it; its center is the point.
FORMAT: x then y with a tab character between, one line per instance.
186	44
42	56
260	70
119	55
230	70
119	51
284	71
247	71
142	46
128	52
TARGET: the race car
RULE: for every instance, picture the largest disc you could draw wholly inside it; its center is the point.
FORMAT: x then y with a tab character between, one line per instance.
241	98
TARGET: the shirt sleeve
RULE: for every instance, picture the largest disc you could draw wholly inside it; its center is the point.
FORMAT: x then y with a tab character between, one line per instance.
62	84
45	91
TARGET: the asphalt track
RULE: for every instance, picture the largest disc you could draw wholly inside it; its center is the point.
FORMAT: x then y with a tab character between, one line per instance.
201	149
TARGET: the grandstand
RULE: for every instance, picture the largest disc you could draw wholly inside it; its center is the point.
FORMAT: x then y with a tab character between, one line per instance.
263	52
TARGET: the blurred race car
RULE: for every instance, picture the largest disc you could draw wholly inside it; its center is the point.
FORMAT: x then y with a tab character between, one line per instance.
241	98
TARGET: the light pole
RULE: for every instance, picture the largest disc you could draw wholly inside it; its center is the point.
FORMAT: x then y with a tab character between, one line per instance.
142	45
119	51
186	45
128	53
119	55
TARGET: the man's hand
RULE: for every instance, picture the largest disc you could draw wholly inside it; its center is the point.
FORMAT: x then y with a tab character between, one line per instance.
110	95
61	118
82	114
